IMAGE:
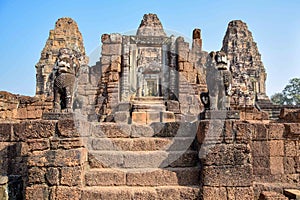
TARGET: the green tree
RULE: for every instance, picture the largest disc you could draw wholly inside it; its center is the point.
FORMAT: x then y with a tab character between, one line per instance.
278	98
290	94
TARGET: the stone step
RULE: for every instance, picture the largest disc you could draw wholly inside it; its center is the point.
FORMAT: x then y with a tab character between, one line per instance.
143	177
140	144
156	129
146	193
142	159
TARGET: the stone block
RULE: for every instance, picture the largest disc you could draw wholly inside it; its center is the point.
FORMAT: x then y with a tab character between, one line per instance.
21	113
105	177
153	117
111	130
71	176
111	49
227	154
163	177
106	159
173	106
144	159
58	158
140	130
260	132
67	128
65	193
139	117
116	38
290	148
146	193
122	117
38	144
34	114
33	129
289	165
36	175
260	149
66	143
214	193
52	176
37	192
276	165
230	176
276	148
105	60
167	117
177	192
245	193
5	132
292	129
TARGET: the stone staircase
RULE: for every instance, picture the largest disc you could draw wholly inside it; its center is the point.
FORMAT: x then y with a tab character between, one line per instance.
142	162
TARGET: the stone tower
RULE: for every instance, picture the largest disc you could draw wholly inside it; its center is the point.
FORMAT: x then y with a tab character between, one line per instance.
154	74
65	35
245	60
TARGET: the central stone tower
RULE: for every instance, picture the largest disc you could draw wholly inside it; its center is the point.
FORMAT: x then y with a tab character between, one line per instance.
142	75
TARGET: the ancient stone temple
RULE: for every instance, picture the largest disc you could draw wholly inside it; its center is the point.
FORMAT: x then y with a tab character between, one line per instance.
154	118
155	76
65	35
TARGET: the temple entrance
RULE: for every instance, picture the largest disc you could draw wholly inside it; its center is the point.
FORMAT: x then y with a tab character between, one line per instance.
152	88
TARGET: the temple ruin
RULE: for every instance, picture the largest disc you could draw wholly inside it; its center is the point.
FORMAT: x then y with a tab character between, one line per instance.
154	118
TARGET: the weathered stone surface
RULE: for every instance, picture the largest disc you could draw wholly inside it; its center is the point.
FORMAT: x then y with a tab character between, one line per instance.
150	26
65	35
214	193
71	176
52	176
111	130
139	117
59	158
65	193
276	130
38	144
36	175
67	128
245	58
234	176
5	132
37	192
34	129
276	165
105	177
163	177
292	129
66	143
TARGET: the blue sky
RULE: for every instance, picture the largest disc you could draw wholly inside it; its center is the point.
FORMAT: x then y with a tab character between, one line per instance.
25	28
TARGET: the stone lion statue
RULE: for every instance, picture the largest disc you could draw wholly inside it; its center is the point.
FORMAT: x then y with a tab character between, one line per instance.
218	79
64	75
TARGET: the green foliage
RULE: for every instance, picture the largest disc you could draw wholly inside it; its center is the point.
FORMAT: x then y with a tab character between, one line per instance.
290	94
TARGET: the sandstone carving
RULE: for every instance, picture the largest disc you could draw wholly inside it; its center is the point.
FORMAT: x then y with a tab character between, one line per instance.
218	81
63	78
65	35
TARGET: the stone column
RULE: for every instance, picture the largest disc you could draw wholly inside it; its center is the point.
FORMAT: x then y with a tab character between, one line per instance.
124	85
133	68
225	156
173	81
166	72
